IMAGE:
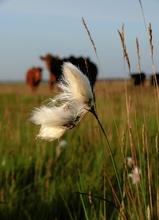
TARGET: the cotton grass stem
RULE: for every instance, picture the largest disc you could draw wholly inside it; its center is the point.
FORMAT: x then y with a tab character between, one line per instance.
109	147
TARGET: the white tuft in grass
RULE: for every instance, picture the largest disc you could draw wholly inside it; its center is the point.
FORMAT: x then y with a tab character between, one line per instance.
67	108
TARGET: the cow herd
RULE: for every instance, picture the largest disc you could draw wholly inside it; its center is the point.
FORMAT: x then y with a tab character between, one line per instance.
54	67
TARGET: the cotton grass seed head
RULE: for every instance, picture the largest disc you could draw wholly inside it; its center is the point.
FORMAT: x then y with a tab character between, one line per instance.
67	108
135	175
76	86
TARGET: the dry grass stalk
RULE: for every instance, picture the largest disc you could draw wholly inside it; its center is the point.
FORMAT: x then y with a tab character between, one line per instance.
151	54
86	64
149	36
128	100
125	55
122	211
149	32
149	171
114	165
150	39
84	23
138	55
121	34
139	70
94	47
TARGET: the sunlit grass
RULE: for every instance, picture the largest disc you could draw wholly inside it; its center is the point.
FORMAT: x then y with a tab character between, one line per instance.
36	183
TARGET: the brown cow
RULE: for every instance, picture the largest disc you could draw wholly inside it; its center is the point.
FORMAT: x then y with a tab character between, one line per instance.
54	65
33	77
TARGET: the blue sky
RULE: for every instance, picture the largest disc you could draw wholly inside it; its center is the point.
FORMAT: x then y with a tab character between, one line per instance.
29	28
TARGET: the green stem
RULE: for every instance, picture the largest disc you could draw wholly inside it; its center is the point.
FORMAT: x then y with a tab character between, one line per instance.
109	147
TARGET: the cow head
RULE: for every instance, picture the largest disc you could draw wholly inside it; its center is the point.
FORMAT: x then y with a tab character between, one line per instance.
48	58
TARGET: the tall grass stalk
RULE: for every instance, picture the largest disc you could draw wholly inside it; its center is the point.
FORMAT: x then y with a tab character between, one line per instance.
94	113
149	37
137	155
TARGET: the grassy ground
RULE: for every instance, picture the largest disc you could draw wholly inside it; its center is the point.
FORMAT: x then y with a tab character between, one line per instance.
40	180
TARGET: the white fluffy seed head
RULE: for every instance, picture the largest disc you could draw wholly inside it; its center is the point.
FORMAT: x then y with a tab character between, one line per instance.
135	175
76	85
67	108
55	116
51	133
55	121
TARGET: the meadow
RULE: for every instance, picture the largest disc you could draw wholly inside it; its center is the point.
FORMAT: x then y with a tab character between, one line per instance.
85	174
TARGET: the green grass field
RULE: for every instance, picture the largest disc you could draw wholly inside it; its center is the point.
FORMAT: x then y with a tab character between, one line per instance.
40	181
